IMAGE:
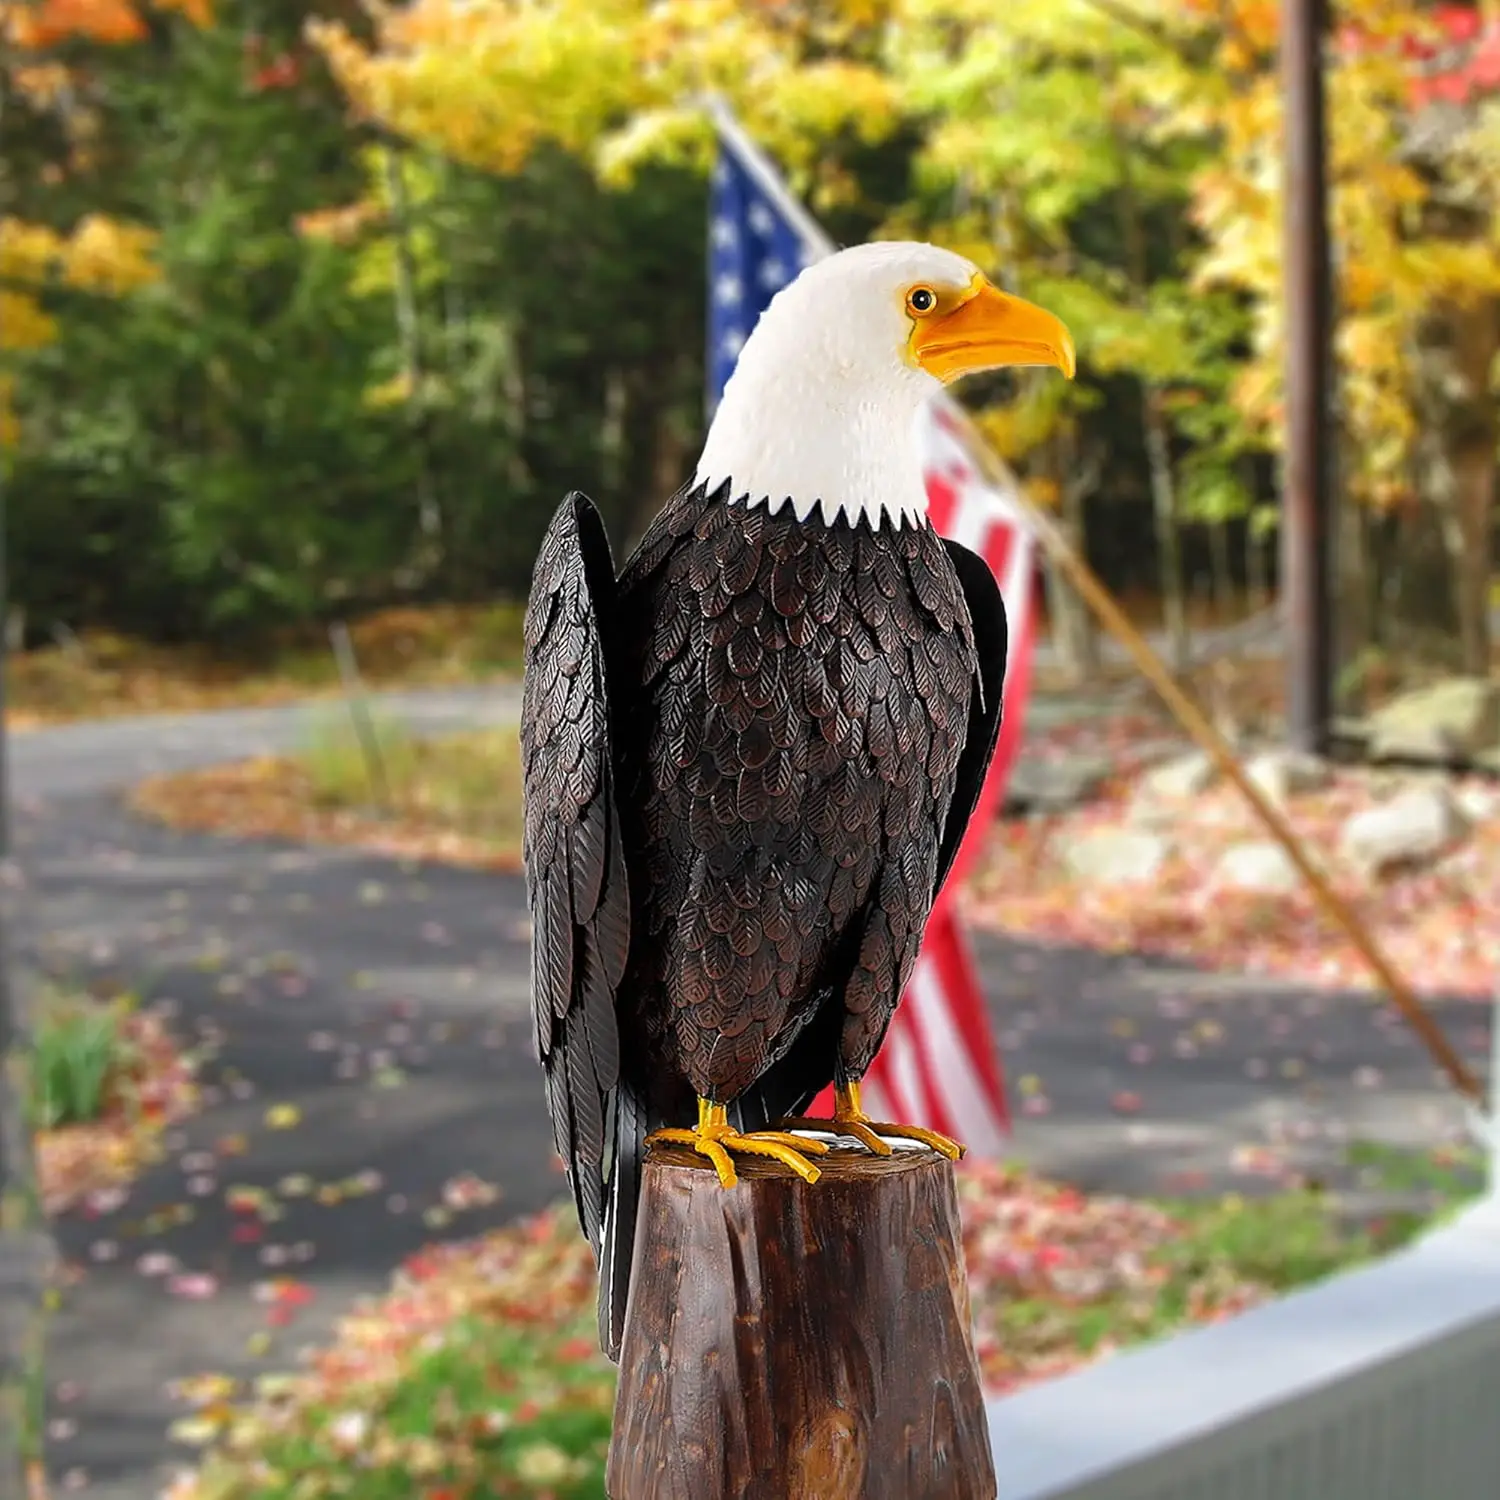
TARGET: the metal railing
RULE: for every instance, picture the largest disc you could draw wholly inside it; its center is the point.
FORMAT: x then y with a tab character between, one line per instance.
1382	1383
1379	1384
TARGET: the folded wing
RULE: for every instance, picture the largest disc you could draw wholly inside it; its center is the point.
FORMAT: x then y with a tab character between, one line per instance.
991	641
576	879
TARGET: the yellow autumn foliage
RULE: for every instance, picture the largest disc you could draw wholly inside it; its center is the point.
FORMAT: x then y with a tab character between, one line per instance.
23	324
100	255
1392	268
622	82
618	81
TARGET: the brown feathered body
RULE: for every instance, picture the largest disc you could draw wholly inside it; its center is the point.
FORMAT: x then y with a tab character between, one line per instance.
740	765
798	697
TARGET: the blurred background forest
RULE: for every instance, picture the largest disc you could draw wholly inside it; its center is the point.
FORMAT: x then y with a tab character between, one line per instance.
308	309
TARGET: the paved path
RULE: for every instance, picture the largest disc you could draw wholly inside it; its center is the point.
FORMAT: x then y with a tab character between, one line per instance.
387	1005
110	754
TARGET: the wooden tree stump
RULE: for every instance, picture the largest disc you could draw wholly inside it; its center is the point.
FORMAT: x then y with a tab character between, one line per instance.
796	1342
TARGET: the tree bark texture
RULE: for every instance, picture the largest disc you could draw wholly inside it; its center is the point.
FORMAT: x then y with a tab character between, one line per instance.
1168	534
796	1342
1075	633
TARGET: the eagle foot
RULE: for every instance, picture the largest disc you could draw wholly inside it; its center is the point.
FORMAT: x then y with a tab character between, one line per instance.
851	1120
717	1139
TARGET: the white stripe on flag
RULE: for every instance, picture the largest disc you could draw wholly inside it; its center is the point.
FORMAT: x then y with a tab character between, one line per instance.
903	1078
964	1096
1015	589
973	516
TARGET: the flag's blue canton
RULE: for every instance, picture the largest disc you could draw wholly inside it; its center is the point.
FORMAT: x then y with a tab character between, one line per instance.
752	253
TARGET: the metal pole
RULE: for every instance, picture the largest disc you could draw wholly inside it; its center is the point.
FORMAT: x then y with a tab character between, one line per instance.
359	714
1307	503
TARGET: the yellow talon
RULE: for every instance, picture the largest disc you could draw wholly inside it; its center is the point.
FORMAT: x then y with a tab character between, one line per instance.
849	1119
715	1138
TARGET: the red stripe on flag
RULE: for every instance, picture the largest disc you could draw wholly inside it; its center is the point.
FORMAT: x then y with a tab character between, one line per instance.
971	1105
941	499
958	978
931	1110
822	1107
998	546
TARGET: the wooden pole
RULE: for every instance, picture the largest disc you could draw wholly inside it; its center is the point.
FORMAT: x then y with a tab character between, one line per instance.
795	1342
1307	488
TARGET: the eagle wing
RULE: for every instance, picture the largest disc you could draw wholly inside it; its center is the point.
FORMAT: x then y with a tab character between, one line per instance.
576	880
991	642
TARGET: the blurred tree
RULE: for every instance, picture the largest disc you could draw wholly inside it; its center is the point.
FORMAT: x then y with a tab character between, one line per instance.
1042	160
360	374
384	284
1418	264
622	82
198	431
50	128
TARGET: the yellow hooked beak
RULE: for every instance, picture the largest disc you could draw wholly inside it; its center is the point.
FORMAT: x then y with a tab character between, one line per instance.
986	329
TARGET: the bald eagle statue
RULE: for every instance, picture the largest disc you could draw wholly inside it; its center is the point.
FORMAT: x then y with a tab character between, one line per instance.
750	757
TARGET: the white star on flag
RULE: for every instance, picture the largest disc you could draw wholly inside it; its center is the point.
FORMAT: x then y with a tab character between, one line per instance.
773	275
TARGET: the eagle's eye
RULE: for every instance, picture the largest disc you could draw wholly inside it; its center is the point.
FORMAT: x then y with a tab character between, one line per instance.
921	300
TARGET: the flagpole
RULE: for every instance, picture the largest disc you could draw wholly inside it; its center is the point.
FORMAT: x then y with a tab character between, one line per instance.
767	178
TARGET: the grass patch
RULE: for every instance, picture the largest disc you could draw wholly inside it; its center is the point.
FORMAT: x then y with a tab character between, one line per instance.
456	798
81	1052
102	1080
478	1374
99	674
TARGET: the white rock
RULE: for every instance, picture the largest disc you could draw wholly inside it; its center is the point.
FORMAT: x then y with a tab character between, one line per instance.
1261	867
1115	856
1182	776
1287	773
1152	813
1147	812
1452	718
1059	783
1415	826
1477	804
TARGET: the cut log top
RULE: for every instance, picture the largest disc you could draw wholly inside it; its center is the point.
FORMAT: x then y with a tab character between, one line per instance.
788	1341
842	1163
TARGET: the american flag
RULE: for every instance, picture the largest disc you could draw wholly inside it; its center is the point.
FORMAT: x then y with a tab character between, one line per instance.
939	1065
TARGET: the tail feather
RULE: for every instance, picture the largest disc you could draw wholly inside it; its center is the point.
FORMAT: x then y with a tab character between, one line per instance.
617	1238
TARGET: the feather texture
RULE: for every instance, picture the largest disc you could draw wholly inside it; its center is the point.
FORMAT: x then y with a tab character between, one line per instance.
575	865
804	716
827	671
